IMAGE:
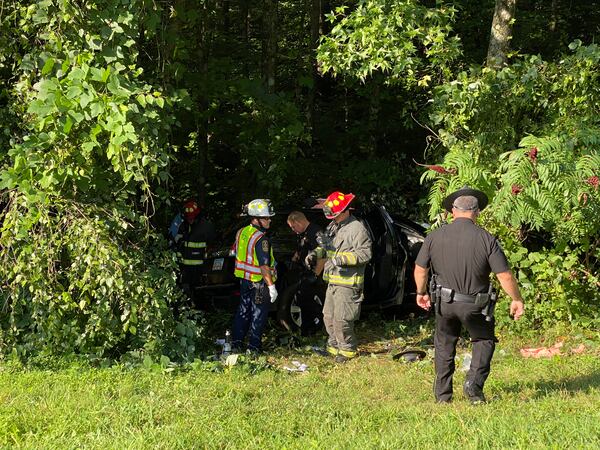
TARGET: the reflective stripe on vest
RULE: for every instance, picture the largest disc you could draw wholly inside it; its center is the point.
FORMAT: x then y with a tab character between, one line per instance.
191	255
195	244
246	261
192	262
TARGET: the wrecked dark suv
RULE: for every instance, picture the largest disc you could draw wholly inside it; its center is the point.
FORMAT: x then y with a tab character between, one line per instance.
388	277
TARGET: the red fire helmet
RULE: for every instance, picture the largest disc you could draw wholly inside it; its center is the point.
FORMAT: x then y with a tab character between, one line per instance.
190	210
336	203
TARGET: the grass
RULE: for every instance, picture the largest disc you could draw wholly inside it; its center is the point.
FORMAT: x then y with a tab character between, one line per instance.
372	402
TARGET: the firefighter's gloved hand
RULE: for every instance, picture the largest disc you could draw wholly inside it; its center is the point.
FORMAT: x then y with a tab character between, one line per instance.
310	260
320	252
273	293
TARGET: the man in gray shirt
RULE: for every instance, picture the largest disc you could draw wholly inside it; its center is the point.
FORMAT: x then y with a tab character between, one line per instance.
462	255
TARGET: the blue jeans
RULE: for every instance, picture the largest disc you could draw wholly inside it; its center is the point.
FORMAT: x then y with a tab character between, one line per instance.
251	316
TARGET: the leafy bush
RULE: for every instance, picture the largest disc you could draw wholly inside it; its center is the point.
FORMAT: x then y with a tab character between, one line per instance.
408	42
81	269
529	136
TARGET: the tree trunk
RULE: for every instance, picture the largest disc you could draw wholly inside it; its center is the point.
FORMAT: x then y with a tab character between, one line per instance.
374	108
554	16
205	36
501	33
270	42
226	24
245	10
316	30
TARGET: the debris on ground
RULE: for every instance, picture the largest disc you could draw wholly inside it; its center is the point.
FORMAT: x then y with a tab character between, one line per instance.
542	352
410	355
231	360
298	367
466	363
320	351
578	350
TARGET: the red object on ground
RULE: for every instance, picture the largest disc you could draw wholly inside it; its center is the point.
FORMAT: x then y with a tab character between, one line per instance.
542	352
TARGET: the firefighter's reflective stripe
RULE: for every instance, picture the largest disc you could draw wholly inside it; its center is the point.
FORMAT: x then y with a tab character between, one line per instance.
246	261
348	353
192	262
193	253
352	280
332	350
195	244
351	259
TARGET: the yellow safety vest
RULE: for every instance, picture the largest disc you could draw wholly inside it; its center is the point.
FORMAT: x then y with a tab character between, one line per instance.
246	261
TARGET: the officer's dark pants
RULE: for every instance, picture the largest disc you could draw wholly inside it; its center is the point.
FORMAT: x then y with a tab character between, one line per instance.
251	316
448	323
309	291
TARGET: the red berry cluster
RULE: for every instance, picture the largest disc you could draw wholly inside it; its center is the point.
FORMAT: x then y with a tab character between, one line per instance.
516	189
593	181
532	154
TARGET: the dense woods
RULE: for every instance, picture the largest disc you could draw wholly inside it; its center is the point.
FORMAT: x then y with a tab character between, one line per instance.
114	111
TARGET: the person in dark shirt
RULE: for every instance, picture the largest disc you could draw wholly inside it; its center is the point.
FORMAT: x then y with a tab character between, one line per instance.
195	234
462	256
311	286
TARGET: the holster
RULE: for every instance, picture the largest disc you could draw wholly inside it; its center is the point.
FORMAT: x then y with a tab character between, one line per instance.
445	294
434	294
490	307
261	291
482	299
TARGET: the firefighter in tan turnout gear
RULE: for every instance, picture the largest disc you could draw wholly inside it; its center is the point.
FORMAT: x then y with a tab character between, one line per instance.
346	246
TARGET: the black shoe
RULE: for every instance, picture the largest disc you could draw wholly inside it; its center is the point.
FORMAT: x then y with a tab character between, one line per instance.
473	393
341	359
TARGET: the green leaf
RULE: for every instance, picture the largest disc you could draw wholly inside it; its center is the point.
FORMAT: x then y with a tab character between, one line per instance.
68	125
48	66
84	100
105	74
147	363
141	100
97	74
96	108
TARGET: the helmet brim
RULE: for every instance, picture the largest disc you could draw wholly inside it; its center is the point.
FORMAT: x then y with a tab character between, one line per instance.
482	199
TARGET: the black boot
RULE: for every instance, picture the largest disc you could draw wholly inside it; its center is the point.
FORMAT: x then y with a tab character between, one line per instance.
473	393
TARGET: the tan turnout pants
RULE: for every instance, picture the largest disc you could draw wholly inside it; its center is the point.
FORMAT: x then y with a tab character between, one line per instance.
341	310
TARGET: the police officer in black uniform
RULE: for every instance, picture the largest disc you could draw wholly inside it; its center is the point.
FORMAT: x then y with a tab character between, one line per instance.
461	256
311	284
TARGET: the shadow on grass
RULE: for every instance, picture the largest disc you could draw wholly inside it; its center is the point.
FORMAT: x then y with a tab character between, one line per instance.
583	383
373	328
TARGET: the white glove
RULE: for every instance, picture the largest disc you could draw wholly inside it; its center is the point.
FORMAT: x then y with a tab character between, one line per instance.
310	260
273	293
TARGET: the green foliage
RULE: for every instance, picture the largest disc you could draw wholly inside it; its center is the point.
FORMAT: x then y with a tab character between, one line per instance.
529	136
82	270
264	133
383	402
554	282
408	42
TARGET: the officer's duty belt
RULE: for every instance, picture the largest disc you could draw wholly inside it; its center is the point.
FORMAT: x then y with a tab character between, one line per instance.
450	295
